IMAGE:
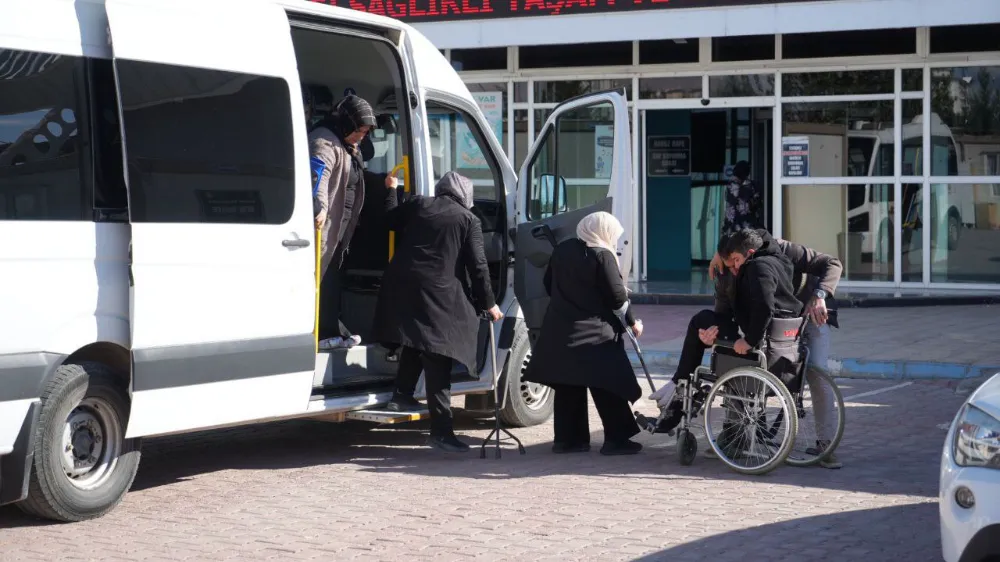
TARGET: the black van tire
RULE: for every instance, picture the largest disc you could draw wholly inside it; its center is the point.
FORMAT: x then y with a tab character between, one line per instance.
98	400
524	408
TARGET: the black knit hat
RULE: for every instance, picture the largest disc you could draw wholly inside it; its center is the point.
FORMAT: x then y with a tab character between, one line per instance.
354	113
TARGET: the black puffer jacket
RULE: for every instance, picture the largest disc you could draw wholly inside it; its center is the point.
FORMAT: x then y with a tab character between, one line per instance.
763	291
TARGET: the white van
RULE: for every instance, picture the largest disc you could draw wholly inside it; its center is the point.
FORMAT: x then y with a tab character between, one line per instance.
156	226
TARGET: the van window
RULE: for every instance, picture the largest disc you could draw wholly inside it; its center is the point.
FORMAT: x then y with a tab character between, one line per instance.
41	157
458	145
206	145
579	152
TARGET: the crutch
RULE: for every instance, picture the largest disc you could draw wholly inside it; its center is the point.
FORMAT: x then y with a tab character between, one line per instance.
635	346
497	406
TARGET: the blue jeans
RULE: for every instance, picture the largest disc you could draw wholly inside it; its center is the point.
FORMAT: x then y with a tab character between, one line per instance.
818	342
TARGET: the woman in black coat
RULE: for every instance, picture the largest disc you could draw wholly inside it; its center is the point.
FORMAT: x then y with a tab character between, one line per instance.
580	346
432	290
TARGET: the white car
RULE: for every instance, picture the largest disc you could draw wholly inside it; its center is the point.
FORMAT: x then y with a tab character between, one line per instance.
970	479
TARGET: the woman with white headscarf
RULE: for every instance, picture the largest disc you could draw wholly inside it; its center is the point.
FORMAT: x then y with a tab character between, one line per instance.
580	346
432	291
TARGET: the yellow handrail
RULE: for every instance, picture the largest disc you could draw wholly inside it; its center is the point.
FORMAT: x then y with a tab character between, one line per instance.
404	165
319	258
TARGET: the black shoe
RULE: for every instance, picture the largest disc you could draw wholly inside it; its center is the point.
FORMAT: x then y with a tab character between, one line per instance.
564	448
627	447
449	443
404	403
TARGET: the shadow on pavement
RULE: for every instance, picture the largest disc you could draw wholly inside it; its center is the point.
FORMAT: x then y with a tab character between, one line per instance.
872	535
891	447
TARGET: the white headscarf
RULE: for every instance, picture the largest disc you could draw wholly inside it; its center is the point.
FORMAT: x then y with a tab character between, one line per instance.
600	230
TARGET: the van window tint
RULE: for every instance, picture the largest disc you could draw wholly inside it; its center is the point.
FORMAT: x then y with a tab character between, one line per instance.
206	145
41	151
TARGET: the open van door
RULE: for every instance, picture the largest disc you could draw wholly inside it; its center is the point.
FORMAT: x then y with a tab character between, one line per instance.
556	188
222	254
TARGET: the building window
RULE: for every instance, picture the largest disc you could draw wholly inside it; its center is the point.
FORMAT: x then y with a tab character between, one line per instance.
741	85
585	54
42	137
913	79
965	38
965	106
206	145
855	225
844	137
555	92
669	51
736	49
677	87
852	82
479	59
849	43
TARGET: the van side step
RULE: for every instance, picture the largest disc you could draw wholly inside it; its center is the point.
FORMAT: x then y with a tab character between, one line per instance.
386	417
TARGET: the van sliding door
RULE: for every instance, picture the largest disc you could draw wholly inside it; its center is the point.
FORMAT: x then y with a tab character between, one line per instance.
222	256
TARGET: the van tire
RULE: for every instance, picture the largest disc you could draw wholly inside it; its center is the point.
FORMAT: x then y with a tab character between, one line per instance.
528	404
98	404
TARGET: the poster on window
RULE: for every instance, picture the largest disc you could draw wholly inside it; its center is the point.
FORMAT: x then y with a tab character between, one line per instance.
604	145
469	154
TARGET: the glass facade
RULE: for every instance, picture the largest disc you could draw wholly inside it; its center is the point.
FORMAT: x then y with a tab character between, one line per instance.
878	139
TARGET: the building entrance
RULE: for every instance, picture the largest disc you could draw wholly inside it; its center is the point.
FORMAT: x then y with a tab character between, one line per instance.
687	163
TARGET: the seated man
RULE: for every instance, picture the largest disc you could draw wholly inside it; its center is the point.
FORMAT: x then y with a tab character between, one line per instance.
762	290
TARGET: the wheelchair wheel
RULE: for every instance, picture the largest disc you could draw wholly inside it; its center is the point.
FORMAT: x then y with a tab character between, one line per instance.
687	447
750	420
818	435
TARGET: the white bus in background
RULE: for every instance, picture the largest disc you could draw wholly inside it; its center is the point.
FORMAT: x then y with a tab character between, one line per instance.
869	211
156	228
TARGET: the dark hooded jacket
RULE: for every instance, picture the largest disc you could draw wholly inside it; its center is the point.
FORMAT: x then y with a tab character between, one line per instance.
811	270
764	291
438	280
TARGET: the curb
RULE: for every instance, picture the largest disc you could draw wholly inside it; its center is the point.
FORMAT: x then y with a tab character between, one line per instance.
846	301
855	368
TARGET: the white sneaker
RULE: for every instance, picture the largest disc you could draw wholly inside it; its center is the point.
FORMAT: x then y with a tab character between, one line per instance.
351	341
664	395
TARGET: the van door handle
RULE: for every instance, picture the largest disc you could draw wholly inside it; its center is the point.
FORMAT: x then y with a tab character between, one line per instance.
296	243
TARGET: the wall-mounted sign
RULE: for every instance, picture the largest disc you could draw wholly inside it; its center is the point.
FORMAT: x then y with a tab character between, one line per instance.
795	157
439	10
668	156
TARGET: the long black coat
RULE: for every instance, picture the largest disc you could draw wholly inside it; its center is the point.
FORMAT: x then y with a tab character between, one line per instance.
581	340
437	281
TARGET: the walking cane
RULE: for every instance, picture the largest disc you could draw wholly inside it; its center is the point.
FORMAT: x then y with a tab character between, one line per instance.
497	406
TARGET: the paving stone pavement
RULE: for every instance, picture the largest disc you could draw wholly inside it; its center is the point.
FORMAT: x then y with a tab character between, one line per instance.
941	334
303	490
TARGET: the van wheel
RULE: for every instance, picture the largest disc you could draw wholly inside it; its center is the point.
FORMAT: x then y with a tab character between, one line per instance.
528	403
83	465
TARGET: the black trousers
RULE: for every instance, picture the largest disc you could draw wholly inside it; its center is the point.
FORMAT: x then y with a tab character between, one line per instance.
693	350
437	375
572	426
331	287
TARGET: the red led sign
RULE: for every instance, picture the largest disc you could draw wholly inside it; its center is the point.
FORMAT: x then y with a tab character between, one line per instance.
448	10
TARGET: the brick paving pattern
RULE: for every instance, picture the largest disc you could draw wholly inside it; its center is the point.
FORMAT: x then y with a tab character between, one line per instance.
304	490
945	334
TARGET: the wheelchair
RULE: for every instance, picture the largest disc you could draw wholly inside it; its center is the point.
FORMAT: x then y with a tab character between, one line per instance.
747	404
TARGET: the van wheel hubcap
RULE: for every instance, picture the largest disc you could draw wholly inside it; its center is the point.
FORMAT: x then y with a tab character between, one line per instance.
91	442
